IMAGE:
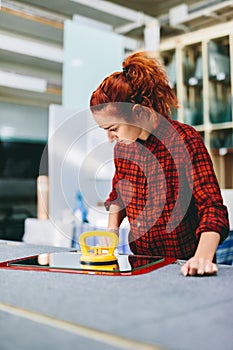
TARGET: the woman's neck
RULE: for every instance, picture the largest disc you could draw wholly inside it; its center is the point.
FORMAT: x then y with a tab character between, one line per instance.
145	133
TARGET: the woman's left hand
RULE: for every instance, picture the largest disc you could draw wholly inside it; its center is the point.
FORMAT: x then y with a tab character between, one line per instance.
199	266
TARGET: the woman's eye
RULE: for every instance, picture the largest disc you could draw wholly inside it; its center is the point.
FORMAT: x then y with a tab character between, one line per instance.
114	129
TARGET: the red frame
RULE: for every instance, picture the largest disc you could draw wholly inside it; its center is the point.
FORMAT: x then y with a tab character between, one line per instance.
138	271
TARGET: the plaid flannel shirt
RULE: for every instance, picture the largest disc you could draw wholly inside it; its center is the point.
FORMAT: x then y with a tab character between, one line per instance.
169	191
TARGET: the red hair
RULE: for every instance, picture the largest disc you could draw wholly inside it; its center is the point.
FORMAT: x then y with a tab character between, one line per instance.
143	81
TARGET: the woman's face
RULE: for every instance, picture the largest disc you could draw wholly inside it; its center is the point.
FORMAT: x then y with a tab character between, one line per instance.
117	128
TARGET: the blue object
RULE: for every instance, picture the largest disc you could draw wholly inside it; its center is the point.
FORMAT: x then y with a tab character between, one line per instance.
81	206
78	228
225	251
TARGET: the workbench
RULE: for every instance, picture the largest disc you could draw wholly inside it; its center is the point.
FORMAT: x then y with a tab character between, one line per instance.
158	310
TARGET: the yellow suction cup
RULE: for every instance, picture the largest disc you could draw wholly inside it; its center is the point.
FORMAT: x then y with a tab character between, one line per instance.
98	256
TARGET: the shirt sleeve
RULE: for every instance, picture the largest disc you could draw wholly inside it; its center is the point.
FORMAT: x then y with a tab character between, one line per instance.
213	215
114	196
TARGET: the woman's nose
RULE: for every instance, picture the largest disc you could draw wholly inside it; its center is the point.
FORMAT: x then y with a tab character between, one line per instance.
111	136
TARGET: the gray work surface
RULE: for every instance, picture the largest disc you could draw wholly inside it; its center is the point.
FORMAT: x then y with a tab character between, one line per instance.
158	310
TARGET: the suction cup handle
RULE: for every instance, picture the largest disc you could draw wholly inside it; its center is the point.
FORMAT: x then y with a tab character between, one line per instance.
98	250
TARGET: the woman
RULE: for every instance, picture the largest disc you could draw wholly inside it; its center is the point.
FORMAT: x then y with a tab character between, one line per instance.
164	180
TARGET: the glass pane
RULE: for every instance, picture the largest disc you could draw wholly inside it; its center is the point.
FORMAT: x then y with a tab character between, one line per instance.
90	55
193	76
220	100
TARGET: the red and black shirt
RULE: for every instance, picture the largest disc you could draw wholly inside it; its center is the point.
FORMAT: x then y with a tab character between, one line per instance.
169	191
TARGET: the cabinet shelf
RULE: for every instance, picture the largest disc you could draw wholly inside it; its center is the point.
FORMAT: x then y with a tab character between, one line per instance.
222	151
202	72
221	126
199	128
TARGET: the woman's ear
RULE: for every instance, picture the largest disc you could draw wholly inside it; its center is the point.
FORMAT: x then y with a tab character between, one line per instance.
140	112
136	109
144	116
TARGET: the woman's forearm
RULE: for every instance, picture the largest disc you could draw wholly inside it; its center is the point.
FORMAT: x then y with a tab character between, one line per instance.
207	245
116	216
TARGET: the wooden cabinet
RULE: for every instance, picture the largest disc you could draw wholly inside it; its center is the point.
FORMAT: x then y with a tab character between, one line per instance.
200	69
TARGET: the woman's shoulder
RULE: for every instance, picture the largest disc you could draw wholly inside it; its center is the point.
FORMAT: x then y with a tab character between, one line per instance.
190	136
185	130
